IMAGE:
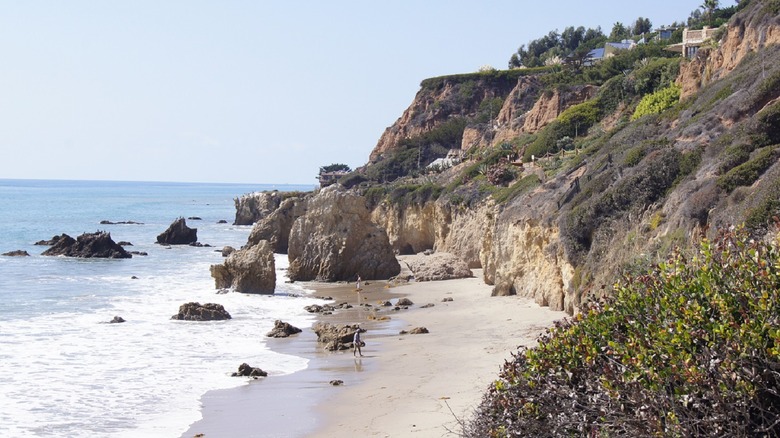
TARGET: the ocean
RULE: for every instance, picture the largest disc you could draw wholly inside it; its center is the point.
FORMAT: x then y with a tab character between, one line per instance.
64	371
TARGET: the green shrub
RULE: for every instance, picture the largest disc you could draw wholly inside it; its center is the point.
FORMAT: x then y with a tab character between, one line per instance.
352	179
747	173
521	186
413	154
657	102
691	348
374	195
414	194
634	156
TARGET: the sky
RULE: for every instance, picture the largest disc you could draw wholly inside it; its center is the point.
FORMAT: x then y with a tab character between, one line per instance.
244	91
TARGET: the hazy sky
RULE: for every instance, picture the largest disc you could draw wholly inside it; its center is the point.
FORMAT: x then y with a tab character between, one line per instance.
244	91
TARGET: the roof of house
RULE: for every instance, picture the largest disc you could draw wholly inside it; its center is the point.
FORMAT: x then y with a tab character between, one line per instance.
596	53
622	45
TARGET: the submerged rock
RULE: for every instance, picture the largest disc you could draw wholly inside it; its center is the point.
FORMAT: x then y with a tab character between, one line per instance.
178	233
245	370
201	312
88	245
117	320
282	330
17	253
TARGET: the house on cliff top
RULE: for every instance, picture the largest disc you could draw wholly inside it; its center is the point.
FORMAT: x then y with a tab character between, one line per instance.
692	40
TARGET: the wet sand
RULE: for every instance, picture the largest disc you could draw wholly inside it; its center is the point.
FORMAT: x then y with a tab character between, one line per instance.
405	385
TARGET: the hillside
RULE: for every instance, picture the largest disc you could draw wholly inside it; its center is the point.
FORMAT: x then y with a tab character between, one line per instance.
564	186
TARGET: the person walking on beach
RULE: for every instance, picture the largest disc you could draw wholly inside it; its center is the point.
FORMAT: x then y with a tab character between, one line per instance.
357	341
358	282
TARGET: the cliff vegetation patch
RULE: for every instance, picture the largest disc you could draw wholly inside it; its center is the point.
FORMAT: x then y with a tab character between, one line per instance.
690	348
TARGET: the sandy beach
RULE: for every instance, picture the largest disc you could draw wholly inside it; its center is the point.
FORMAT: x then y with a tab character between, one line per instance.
405	385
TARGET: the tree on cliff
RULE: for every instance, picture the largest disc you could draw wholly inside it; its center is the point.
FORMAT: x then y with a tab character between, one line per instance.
336	167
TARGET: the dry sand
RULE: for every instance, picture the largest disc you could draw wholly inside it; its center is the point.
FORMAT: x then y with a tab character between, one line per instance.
423	385
405	385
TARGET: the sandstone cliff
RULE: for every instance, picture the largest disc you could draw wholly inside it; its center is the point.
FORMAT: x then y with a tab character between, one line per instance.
616	198
625	196
336	240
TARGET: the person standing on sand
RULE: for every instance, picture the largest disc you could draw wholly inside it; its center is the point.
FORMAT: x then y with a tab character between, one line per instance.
357	341
358	282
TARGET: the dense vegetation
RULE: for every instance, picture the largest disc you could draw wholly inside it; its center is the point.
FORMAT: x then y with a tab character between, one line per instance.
691	348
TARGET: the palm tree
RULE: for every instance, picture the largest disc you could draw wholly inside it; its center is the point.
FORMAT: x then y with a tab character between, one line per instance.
709	7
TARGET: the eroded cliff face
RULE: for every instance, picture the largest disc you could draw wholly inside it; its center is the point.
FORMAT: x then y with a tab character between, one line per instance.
745	34
335	240
550	105
437	226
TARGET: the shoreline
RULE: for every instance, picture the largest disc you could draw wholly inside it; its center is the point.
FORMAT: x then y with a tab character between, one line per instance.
423	384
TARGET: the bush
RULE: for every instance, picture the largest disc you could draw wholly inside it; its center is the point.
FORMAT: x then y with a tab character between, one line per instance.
747	173
352	179
691	348
519	187
657	102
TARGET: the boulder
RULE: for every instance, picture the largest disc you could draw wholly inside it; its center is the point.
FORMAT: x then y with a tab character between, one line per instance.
117	320
437	266
336	240
276	226
88	245
282	330
178	233
446	299
244	370
201	312
252	207
227	250
404	302
17	253
418	331
222	221
336	337
503	289
251	270
316	308
336	382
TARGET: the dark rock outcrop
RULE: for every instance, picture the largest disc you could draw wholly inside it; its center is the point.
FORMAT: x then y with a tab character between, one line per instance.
336	337
336	240
251	270
117	320
404	302
178	233
88	245
105	222
418	331
17	253
245	370
201	312
282	330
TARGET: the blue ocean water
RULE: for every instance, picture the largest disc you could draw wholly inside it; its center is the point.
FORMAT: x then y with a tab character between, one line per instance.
64	371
